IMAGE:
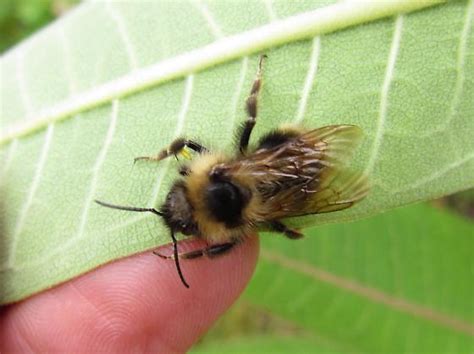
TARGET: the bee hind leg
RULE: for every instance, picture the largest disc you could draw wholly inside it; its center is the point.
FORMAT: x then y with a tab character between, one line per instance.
176	147
211	251
279	227
251	108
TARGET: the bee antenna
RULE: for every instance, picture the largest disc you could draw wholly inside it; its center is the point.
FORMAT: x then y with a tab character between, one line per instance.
176	260
156	212
127	208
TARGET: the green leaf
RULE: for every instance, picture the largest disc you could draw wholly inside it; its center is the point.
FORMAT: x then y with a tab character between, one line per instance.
265	344
400	282
112	81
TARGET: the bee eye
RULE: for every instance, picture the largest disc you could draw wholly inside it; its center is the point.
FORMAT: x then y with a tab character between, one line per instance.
187	228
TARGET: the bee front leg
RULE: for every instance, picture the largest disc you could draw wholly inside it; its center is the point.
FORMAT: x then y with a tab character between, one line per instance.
176	148
279	227
211	251
251	107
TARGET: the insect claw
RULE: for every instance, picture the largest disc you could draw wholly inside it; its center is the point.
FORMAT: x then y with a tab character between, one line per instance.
260	63
137	158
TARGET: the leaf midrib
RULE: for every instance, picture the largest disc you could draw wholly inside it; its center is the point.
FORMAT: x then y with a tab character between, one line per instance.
320	21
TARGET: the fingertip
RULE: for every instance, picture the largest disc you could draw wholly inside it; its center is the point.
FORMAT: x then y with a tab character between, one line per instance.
215	284
137	302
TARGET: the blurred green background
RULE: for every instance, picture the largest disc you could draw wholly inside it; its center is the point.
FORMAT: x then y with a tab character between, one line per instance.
20	18
419	254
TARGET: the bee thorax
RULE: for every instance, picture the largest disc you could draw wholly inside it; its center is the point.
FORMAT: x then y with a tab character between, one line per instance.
225	201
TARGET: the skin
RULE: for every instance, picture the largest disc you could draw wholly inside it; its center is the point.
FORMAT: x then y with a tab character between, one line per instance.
135	304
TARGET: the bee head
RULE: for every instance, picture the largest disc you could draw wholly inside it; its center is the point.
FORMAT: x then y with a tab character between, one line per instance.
178	213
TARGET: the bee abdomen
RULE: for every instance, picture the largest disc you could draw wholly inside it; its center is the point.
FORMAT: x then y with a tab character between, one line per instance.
276	138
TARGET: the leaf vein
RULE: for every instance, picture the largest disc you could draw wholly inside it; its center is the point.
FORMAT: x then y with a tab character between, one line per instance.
90	196
306	25
8	160
389	72
122	30
72	85
271	11
371	294
435	175
30	196
24	96
460	72
96	169
188	90
308	85
165	167
238	91
211	22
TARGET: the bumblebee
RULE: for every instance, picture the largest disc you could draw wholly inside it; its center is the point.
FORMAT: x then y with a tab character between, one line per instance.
291	172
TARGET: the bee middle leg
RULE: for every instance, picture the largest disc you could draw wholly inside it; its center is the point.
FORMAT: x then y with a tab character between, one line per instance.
211	251
251	107
175	148
279	227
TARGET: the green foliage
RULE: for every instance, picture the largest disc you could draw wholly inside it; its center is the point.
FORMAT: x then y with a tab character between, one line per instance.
400	282
262	345
112	81
19	18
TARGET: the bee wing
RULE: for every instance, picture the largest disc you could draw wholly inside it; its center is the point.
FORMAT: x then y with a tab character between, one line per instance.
337	142
339	191
307	175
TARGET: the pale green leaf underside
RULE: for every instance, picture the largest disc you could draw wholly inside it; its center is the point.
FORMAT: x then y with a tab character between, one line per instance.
405	80
388	284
